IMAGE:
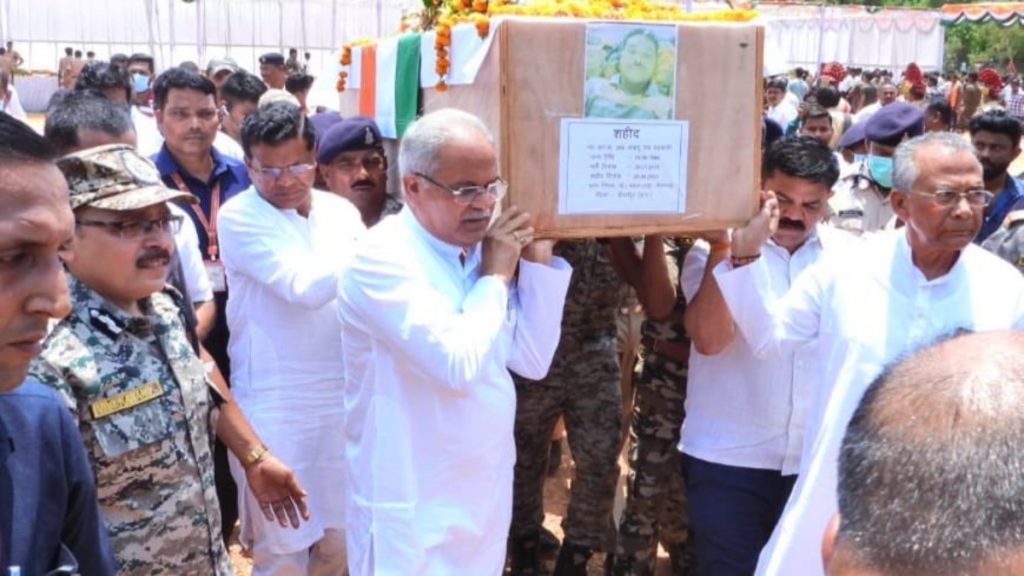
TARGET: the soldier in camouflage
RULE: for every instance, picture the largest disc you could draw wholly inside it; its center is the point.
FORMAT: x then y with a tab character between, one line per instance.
144	405
582	386
656	497
1008	241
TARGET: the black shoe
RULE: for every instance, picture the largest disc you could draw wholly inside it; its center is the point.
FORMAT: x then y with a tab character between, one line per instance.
572	560
548	543
682	561
524	560
554	458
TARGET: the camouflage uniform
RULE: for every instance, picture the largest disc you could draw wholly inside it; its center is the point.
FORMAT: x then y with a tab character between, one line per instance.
1008	241
582	385
151	450
656	508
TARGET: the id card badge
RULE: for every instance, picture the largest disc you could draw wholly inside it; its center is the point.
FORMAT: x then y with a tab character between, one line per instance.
217	275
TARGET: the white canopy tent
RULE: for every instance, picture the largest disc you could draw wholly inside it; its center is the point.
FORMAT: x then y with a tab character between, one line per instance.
174	31
806	35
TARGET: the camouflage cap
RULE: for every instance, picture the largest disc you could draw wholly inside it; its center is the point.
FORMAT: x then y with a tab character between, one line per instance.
115	177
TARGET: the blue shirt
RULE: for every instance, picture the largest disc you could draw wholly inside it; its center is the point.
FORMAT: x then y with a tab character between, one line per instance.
230	174
48	500
1011	194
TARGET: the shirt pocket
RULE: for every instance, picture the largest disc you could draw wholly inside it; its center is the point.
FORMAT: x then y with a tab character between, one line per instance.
135	427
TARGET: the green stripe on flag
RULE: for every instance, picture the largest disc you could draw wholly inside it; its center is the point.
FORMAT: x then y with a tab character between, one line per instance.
407	82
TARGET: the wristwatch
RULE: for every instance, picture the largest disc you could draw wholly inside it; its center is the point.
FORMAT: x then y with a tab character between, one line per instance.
254	456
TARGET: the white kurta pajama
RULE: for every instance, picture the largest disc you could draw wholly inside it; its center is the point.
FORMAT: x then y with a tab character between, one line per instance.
429	447
286	369
867	309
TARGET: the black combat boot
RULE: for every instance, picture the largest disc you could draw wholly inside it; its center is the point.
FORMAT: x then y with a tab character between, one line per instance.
523	553
572	560
548	544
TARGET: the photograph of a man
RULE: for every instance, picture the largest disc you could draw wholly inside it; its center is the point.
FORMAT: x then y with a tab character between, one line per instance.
630	71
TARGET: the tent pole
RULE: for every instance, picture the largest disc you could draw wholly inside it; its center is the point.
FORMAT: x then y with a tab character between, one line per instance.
821	36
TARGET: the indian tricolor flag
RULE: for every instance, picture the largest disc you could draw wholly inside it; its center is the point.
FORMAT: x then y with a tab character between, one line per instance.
389	83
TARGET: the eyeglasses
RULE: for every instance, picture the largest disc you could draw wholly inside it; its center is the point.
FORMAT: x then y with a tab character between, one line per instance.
296	170
132	229
372	163
950	198
468	194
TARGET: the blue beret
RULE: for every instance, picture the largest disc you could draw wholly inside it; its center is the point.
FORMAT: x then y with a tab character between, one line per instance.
891	124
354	133
273	58
854	135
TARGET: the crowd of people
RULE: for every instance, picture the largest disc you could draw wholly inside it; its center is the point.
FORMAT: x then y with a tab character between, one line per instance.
213	314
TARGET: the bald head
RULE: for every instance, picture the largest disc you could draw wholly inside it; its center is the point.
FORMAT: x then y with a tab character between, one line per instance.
931	471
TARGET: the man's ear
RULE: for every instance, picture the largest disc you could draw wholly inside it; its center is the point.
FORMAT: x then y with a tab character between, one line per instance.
828	541
410	188
898	201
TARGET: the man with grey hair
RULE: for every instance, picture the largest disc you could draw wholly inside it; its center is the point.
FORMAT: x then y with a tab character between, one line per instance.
891	294
438	304
956	473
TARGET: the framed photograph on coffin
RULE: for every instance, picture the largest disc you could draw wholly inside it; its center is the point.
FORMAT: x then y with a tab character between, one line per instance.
589	155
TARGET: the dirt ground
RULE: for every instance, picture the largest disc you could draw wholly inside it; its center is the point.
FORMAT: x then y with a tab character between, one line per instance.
556	498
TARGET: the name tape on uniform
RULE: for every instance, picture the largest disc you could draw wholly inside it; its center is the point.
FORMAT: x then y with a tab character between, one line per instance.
125	400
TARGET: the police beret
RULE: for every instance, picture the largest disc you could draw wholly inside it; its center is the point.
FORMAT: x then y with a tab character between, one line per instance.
891	124
354	133
854	135
272	58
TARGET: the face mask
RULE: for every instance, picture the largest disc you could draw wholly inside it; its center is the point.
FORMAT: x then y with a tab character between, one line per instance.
140	83
859	158
881	170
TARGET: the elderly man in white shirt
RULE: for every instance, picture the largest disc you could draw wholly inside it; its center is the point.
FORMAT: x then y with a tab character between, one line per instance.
435	314
283	245
894	293
745	417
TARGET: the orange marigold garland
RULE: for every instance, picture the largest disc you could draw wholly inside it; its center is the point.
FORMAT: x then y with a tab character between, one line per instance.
441	15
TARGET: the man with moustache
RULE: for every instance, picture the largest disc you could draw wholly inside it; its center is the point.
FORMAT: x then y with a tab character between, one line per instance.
883	298
437	306
272	70
189	161
49	516
351	159
126	369
745	417
996	138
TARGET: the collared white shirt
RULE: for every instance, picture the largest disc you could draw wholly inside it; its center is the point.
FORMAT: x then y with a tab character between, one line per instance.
186	241
783	113
866	310
427	345
741	410
286	366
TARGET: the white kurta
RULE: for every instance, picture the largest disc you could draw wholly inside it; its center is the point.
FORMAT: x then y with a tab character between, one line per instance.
866	309
429	446
286	369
